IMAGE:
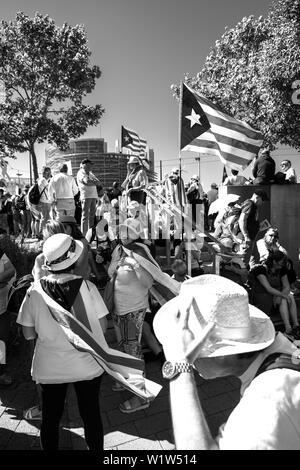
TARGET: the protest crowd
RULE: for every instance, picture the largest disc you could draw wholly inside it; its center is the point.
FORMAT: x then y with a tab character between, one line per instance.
96	245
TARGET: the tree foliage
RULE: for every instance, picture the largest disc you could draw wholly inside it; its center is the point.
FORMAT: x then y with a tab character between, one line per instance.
250	71
45	74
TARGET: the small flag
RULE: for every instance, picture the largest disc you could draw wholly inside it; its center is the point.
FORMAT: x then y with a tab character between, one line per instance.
224	174
233	141
132	141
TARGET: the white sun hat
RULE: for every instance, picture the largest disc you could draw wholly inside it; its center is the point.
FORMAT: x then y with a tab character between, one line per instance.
61	251
239	327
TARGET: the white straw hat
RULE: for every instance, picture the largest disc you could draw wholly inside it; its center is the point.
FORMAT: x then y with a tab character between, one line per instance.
239	327
61	251
134	160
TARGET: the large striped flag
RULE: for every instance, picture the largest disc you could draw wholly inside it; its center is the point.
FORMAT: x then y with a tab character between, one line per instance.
233	141
71	301
132	141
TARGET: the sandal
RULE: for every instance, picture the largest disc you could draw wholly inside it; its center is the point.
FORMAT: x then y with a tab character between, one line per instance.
6	380
33	414
134	404
117	387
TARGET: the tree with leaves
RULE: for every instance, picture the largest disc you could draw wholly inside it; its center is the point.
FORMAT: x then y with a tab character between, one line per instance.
45	75
250	71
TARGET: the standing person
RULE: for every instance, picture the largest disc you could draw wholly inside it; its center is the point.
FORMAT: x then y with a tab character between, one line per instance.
136	181
56	362
194	196
264	169
130	310
44	205
87	183
249	222
212	329
212	195
62	190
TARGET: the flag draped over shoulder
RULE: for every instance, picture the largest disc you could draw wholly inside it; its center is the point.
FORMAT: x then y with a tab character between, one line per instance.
66	300
132	141
233	141
164	288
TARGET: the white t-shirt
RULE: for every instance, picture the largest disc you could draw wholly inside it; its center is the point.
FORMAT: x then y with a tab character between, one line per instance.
55	360
268	415
86	192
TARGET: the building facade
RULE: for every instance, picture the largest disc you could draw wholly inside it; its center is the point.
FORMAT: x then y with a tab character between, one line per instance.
107	166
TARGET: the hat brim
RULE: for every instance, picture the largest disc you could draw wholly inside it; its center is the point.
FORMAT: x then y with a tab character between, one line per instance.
262	332
69	261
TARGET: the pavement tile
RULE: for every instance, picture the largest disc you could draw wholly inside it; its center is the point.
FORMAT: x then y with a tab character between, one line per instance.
161	403
116	417
151	443
153	424
124	433
166	439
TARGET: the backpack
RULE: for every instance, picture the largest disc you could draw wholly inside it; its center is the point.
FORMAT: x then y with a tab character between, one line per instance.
17	292
20	203
34	194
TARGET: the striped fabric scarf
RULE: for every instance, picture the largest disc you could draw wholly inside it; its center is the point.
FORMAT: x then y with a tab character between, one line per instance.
66	300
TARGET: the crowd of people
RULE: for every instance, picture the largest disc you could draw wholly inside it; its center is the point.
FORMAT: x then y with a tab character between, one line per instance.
97	249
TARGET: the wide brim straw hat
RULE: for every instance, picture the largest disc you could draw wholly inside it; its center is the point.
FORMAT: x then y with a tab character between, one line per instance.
61	251
239	327
133	160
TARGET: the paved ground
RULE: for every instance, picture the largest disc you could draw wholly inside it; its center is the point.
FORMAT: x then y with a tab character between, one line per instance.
149	429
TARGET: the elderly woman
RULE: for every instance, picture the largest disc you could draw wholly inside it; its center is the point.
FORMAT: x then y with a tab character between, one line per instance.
131	300
56	362
136	181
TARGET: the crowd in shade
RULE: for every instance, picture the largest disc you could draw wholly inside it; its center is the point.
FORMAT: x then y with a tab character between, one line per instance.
97	246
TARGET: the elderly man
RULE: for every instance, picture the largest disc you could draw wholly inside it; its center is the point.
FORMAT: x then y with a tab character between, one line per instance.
87	183
62	189
210	327
287	175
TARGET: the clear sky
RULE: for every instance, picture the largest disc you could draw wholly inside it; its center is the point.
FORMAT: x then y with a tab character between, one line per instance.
142	47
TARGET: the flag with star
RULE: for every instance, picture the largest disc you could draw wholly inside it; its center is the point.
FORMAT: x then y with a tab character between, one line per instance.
233	141
193	119
133	142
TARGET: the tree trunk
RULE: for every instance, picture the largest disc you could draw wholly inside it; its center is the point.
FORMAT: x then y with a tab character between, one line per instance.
34	163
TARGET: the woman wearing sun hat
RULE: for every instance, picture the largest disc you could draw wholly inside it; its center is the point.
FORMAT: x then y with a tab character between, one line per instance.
211	328
56	362
136	181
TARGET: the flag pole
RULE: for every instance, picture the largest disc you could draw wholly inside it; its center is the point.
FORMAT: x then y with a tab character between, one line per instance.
188	246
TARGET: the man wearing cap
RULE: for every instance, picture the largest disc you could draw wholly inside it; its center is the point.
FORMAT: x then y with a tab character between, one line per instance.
194	196
62	189
249	222
87	183
211	328
264	168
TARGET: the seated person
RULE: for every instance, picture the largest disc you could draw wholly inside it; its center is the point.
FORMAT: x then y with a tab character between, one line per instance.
235	179
269	244
287	175
179	270
225	232
270	287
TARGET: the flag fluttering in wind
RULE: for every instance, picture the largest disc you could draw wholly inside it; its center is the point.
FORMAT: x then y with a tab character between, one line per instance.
132	141
233	141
